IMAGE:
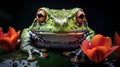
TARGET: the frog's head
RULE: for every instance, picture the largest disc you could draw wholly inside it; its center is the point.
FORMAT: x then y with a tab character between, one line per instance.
59	21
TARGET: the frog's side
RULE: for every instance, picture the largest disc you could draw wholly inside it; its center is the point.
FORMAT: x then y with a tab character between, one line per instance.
55	29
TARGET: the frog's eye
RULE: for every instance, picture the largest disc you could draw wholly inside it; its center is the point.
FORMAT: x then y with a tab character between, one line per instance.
80	16
41	15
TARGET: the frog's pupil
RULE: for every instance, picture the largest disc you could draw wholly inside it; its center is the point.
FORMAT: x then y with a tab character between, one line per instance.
81	16
40	15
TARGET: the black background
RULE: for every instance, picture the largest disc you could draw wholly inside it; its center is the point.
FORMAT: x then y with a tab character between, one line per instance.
101	15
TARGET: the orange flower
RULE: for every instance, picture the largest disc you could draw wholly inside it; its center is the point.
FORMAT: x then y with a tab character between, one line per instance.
117	42
99	48
8	41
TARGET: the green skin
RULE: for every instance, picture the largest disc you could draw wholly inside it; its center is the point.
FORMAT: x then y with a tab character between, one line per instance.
55	32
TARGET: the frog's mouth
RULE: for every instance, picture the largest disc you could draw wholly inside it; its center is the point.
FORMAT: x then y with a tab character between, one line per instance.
60	33
58	40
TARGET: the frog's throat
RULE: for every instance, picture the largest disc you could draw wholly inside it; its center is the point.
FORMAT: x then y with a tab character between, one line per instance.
39	41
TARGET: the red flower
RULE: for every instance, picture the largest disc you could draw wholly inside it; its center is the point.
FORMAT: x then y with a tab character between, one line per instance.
117	42
8	41
99	48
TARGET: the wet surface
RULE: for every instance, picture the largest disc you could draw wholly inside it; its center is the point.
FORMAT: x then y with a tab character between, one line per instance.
19	59
17	63
112	62
55	59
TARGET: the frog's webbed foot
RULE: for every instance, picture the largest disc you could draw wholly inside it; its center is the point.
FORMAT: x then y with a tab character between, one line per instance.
70	52
74	60
31	58
30	50
42	55
79	56
43	50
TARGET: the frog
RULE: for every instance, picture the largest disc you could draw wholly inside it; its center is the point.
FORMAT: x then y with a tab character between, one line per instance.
62	29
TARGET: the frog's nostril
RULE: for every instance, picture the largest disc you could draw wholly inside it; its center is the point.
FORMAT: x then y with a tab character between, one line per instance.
65	24
56	23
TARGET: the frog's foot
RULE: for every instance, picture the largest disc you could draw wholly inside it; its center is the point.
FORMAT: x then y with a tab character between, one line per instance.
42	55
66	53
31	58
80	57
43	50
74	60
70	52
30	50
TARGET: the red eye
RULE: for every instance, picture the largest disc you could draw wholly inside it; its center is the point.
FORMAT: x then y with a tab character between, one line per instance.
41	15
80	16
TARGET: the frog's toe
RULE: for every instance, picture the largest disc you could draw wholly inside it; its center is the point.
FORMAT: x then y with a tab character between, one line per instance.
32	58
43	50
44	55
74	60
66	53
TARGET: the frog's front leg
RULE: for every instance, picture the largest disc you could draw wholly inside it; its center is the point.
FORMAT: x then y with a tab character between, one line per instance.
26	46
28	49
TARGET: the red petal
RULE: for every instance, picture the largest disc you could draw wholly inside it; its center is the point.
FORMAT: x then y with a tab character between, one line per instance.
97	40
1	33
18	33
85	44
14	39
7	39
86	51
99	48
110	51
117	39
97	54
107	42
117	42
5	43
11	31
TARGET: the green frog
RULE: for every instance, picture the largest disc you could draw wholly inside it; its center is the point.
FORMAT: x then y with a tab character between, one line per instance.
63	29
